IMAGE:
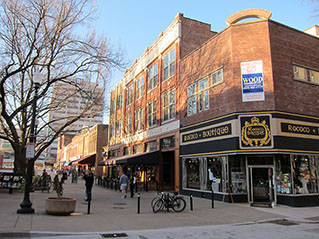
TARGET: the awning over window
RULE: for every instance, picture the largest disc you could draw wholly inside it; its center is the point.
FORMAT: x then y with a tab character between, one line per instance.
89	159
148	158
73	162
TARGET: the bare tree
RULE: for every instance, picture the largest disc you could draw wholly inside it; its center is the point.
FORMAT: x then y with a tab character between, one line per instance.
40	36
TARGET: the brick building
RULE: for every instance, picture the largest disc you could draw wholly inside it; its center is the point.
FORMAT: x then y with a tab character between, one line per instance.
249	125
144	118
83	150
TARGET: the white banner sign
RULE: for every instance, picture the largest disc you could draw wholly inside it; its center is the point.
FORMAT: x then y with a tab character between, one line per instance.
252	81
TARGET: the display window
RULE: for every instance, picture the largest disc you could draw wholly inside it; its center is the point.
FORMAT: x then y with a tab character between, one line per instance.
305	174
283	175
237	169
205	173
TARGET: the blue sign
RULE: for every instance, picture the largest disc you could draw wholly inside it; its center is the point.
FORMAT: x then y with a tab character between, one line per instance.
253	83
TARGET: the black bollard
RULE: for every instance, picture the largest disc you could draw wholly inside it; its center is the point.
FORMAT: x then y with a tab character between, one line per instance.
191	201
138	203
212	198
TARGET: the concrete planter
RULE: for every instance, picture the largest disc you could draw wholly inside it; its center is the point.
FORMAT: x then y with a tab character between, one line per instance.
60	205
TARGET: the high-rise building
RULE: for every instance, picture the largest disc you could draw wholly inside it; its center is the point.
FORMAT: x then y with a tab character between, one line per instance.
69	101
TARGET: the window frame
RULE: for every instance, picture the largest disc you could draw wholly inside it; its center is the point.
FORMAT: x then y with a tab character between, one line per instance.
129	99
151	115
171	101
138	119
191	97
169	64
128	125
308	76
201	92
152	77
139	87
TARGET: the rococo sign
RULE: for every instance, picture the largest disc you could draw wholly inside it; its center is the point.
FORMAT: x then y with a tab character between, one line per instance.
222	130
299	129
255	131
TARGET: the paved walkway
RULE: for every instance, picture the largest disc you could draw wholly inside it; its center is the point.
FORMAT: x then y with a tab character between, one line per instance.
111	213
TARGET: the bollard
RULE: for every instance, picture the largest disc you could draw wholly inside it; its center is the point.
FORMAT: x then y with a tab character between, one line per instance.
89	203
138	203
191	201
212	197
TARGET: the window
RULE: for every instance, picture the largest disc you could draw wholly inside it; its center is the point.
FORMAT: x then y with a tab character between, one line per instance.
169	64
139	119
152	77
150	146
139	87
119	101
118	127
151	114
168	142
169	106
128	126
304	74
127	151
111	131
129	98
191	99
203	95
137	149
217	77
112	108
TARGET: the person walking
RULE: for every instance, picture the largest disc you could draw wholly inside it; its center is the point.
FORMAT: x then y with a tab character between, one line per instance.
124	184
89	179
132	185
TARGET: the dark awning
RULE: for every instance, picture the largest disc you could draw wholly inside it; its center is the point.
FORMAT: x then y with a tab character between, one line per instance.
73	161
89	159
148	158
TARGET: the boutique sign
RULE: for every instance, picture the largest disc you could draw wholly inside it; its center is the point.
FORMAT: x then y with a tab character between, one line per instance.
222	130
252	81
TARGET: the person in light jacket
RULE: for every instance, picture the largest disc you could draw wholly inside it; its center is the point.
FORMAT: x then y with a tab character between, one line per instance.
124	183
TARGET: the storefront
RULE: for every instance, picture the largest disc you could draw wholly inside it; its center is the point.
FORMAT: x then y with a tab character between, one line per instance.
257	157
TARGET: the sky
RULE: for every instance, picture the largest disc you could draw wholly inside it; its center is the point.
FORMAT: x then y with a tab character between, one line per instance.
135	24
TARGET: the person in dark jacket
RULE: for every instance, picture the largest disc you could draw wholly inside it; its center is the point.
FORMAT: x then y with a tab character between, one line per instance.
89	180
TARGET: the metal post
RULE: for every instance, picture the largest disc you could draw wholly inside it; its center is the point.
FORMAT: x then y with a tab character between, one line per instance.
26	204
138	203
212	197
89	202
191	201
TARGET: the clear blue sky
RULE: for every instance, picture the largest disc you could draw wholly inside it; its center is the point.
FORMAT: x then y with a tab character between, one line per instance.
135	25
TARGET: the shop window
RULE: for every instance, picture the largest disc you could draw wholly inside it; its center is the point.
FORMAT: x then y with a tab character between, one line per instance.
237	169
169	64
191	173
168	142
283	175
150	146
152	77
215	173
169	106
305	174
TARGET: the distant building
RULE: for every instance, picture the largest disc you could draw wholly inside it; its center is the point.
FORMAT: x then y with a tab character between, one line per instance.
85	150
62	108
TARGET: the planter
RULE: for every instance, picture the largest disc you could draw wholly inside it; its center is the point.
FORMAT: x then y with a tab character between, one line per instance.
60	205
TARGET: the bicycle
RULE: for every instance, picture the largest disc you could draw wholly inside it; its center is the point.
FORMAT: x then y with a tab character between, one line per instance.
167	201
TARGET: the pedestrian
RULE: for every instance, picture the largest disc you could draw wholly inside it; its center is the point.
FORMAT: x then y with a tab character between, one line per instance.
89	179
124	184
132	185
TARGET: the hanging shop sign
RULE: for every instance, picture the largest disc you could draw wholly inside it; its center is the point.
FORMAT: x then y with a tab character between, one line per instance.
252	81
255	132
299	129
222	130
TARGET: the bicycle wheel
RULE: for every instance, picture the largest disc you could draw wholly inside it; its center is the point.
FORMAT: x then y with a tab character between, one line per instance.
154	200
158	205
179	204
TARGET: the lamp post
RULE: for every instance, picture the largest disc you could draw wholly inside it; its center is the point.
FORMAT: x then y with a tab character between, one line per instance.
26	205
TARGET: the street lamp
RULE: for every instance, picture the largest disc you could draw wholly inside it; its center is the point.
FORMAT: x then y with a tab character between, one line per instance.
26	205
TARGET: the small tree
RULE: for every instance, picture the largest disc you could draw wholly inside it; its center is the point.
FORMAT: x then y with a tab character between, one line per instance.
47	36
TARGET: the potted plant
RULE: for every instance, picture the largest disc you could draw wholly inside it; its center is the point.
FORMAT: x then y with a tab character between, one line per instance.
59	205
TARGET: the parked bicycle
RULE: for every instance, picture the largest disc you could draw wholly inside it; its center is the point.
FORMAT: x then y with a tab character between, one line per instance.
167	201
42	183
